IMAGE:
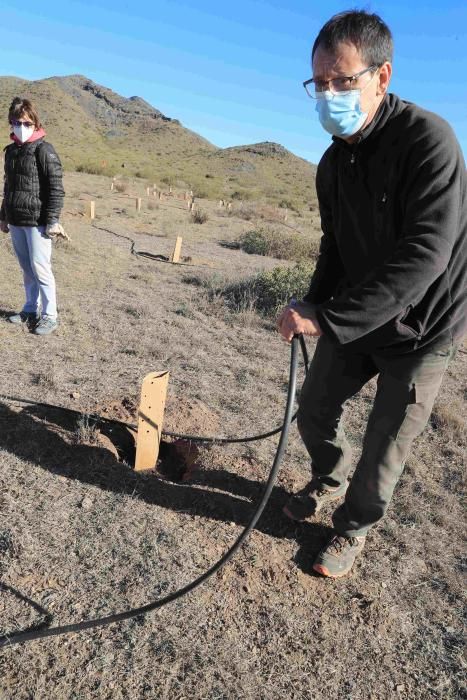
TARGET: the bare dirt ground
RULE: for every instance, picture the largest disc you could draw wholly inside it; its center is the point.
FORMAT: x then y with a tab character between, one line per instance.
82	535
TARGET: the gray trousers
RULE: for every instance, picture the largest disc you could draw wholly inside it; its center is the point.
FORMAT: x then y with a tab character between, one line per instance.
406	390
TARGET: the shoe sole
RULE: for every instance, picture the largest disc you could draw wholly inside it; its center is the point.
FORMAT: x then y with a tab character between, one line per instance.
320	569
319	506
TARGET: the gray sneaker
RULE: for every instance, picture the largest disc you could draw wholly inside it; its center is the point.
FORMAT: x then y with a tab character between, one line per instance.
309	501
338	556
29	317
45	325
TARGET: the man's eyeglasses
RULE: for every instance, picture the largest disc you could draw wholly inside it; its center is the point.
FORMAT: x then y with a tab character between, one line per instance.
15	122
342	84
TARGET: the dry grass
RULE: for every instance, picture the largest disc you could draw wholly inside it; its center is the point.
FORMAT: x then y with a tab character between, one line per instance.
450	418
82	535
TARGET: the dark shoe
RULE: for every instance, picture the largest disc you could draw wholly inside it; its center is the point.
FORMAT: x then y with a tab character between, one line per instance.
337	558
45	326
28	317
312	498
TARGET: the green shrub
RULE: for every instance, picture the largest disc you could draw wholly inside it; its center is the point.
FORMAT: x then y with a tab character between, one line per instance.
269	291
279	244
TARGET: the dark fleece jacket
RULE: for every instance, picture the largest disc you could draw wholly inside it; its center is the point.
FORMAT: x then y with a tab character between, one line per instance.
33	189
392	270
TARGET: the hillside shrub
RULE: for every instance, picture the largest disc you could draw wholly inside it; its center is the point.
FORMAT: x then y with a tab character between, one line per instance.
288	204
200	192
199	216
121	186
168	180
269	291
279	244
241	195
144	174
92	168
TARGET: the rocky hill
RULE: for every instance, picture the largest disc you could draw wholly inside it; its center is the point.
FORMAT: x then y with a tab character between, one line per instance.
97	130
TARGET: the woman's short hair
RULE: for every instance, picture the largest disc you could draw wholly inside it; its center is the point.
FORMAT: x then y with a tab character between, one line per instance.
366	31
21	107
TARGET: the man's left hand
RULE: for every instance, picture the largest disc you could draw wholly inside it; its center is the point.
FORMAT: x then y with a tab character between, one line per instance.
298	318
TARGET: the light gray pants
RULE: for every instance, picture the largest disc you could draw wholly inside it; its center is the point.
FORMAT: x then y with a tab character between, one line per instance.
34	252
407	387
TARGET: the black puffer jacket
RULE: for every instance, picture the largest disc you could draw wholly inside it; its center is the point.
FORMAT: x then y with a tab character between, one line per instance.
391	276
33	189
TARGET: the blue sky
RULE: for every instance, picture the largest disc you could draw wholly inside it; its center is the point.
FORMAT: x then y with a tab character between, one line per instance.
232	72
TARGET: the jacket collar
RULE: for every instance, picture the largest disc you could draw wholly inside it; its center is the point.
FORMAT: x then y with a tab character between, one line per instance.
389	107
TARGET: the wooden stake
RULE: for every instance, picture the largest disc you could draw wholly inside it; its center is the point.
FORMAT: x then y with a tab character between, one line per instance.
150	419
148	191
178	247
91	210
138	204
111	186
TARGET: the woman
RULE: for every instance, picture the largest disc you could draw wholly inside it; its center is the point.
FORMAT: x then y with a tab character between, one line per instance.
32	202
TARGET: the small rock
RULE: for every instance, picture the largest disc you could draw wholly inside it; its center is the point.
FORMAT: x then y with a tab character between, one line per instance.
87	503
75	395
400	688
384	585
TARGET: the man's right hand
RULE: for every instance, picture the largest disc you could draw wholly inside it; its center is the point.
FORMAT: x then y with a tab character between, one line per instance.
297	318
4	227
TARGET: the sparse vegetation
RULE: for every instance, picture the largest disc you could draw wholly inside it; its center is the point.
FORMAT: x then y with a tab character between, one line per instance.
199	216
241	195
86	432
451	420
84	535
121	186
95	169
279	244
268	291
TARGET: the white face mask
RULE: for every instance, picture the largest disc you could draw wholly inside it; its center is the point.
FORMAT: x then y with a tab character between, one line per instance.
23	133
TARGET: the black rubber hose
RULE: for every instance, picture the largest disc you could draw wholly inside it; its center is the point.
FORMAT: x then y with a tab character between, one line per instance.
22	637
167	433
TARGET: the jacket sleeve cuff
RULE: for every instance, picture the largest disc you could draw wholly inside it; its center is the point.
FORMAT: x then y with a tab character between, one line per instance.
325	327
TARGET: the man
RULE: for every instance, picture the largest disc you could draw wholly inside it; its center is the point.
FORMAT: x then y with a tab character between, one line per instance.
388	295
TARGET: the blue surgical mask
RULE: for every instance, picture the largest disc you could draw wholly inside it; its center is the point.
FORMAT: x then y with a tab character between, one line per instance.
341	114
